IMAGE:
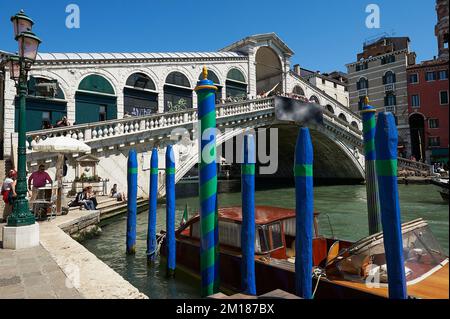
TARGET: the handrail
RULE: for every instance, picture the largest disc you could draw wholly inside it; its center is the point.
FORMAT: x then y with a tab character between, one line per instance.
406	163
136	118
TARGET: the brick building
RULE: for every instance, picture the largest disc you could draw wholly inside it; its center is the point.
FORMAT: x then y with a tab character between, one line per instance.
428	99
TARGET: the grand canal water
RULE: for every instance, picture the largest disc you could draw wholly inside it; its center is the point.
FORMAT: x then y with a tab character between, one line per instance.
342	207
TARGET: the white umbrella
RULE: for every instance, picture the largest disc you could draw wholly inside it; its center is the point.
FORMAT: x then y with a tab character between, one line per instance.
61	144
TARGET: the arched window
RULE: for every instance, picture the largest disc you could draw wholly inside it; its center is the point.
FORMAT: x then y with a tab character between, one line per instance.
140	97
355	125
215	79
95	100
96	83
298	90
235	84
389	78
314	99
343	117
362	83
177	92
330	108
140	81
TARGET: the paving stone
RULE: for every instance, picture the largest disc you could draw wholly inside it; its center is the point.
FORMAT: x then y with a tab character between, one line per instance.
36	273
35	281
12	289
9	281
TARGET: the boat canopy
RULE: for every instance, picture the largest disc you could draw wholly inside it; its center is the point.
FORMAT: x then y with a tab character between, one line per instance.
365	260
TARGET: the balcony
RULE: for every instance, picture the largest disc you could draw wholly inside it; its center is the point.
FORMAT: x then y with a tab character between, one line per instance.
389	87
362	92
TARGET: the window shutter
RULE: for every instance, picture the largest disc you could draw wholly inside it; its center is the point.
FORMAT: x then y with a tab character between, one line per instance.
358	85
394	78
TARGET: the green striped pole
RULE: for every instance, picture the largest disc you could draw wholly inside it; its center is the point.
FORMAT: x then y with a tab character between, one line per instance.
209	231
373	203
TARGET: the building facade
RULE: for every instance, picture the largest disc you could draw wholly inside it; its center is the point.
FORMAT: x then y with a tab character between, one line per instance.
428	98
380	73
428	110
442	28
334	84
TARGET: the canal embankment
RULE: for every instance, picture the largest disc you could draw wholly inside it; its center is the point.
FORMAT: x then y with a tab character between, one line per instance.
78	268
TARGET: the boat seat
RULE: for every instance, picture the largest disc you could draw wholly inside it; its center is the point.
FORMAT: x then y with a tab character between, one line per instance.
319	250
332	252
319	246
290	252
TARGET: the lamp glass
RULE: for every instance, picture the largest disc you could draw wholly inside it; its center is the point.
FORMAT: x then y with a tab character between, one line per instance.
21	25
14	69
28	45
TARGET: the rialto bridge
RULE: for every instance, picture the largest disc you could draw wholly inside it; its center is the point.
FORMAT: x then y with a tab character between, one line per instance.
123	100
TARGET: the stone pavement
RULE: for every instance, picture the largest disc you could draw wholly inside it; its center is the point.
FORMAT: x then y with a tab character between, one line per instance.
32	274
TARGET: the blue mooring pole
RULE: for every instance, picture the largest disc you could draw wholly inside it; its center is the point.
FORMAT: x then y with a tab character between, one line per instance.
152	205
170	211
304	209
248	217
386	139
132	201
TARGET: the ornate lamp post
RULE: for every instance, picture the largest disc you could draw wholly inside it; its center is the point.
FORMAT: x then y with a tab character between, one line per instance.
19	67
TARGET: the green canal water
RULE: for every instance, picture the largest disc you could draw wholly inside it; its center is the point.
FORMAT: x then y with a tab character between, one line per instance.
342	207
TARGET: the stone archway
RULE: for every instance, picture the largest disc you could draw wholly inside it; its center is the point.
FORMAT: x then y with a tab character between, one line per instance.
269	72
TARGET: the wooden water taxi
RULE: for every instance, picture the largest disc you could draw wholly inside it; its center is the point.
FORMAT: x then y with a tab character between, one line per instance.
342	269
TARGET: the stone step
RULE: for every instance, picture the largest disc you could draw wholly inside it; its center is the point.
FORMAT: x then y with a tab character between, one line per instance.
119	209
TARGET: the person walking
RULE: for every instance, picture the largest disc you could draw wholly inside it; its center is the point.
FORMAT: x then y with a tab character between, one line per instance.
9	194
38	179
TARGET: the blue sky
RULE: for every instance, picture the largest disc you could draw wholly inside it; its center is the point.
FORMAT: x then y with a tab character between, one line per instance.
325	35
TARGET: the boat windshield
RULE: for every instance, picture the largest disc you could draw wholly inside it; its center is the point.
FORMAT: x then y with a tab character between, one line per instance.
269	238
365	260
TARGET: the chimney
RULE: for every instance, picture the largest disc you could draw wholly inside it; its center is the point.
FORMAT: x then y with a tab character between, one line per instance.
297	69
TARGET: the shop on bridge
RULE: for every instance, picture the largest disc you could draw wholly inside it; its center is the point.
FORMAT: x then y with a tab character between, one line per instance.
95	100
236	86
177	93
45	104
140	95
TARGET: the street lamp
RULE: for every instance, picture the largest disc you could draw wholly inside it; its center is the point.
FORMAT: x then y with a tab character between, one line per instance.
19	67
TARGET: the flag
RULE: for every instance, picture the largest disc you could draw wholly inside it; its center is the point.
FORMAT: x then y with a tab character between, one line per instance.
185	216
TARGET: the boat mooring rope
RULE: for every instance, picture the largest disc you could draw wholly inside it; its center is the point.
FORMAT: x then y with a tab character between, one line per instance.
317	273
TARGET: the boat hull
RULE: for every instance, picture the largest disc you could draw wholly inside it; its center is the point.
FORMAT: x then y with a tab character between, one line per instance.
268	276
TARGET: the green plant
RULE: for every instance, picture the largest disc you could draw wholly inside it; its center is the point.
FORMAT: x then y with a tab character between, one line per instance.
84	178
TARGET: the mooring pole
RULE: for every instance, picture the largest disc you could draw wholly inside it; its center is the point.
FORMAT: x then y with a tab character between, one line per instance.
170	211
132	201
209	231
304	209
386	139
248	216
152	205
373	204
